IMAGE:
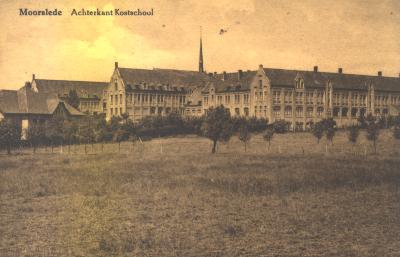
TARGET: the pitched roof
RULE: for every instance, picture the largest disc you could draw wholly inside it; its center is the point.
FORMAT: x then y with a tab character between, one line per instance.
281	77
231	81
26	101
162	79
9	101
84	89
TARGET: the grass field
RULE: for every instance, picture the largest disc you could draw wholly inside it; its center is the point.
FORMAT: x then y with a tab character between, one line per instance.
171	197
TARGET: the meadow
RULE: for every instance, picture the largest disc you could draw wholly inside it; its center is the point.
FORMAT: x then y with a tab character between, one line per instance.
172	197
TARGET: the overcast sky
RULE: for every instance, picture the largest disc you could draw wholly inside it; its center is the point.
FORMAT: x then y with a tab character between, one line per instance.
360	36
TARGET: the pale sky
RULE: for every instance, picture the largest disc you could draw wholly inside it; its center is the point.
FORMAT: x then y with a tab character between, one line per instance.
362	37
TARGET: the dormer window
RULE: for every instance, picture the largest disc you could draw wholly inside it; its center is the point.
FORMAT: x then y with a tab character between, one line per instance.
299	84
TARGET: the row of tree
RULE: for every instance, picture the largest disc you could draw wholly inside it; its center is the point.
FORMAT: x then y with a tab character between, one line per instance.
217	125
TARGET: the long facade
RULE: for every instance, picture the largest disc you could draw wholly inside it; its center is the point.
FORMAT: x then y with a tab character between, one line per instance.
303	97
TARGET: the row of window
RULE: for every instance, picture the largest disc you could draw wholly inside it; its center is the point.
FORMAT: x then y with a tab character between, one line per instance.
148	98
299	112
227	98
299	97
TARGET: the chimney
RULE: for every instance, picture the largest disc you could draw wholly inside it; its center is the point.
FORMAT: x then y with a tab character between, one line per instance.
215	74
116	65
380	73
340	70
315	68
224	75
260	66
28	84
240	74
33	77
210	74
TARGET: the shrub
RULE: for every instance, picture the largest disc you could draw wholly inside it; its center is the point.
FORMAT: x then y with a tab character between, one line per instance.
281	126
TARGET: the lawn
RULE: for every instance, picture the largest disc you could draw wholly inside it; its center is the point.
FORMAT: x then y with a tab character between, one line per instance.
172	197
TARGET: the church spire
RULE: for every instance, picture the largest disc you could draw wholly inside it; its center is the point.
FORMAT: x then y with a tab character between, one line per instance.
201	67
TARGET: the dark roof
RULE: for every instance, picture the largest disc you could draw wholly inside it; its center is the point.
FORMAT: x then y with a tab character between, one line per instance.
281	77
84	89
161	79
231	82
26	101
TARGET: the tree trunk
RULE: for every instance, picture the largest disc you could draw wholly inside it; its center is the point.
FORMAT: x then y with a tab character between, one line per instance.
119	147
69	148
85	149
269	145
102	147
375	146
8	149
214	146
245	147
52	148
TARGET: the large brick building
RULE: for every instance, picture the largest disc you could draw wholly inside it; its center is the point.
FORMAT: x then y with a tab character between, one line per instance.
299	97
140	92
303	97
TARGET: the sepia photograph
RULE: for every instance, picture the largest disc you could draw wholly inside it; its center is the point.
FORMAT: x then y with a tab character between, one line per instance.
191	128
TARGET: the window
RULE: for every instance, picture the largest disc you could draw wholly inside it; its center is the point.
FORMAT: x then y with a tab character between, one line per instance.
309	98
276	97
246	99
344	112
320	111
277	111
288	97
227	99
206	100
237	99
344	99
309	112
111	112
363	100
116	99
237	111
115	85
299	84
260	84
336	111
362	112
219	99
288	111
299	97
354	112
111	99
246	111
299	112
320	97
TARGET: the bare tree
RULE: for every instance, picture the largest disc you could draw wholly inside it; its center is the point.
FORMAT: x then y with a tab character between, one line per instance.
268	135
244	135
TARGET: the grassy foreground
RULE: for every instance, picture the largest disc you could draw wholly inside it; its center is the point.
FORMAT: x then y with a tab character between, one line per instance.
171	197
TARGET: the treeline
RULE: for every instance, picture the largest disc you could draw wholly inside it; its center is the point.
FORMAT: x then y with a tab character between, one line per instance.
217	125
94	129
